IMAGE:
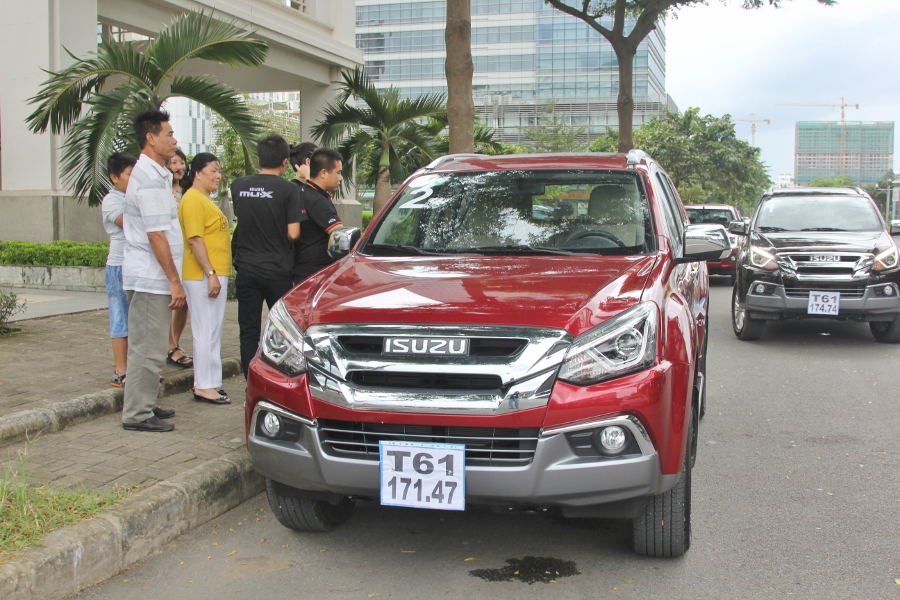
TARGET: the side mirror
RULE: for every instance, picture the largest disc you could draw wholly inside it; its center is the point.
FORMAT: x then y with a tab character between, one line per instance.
705	242
341	241
895	227
741	227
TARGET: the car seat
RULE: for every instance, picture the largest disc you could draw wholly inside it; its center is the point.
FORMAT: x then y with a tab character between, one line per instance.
615	209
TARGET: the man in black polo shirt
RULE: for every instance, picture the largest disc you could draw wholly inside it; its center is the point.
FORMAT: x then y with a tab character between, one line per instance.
268	211
325	166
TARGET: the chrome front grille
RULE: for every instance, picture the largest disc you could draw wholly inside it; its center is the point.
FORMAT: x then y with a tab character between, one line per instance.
803	288
507	368
484	346
485	447
847	266
425	381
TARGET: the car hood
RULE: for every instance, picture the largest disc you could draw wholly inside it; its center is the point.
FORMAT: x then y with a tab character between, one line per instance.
837	241
572	293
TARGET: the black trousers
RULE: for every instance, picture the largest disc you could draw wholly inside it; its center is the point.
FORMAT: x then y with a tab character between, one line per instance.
252	290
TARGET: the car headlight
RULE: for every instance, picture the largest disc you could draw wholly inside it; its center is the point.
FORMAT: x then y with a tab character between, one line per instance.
762	259
889	259
282	342
733	240
623	344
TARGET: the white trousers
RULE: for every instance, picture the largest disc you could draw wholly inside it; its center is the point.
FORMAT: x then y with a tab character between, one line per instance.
207	318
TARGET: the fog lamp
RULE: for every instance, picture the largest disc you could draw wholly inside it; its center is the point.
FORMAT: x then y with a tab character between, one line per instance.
612	439
271	425
760	288
888	290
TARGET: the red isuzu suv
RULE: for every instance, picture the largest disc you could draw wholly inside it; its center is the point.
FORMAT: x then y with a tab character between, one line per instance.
516	331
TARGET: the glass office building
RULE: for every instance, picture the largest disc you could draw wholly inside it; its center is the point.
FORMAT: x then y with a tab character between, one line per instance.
527	55
862	150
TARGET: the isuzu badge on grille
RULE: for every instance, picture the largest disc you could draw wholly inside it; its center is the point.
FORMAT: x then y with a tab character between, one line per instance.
428	346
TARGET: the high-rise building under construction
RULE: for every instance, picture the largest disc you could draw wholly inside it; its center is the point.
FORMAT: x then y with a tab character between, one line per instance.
527	55
828	149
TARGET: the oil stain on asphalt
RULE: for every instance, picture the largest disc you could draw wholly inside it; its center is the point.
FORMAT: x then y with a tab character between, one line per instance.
531	569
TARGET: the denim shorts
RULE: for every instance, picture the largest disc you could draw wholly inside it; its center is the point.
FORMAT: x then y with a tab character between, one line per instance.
118	303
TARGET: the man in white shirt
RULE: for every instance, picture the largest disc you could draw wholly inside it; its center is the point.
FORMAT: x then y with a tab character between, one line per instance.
151	271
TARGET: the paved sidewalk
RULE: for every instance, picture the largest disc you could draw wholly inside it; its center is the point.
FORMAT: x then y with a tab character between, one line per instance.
100	454
48	303
63	357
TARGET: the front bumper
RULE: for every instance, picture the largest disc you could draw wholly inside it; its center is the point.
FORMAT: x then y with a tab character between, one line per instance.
726	266
777	304
555	476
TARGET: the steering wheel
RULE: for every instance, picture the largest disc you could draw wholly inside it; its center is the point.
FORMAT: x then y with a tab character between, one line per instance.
596	233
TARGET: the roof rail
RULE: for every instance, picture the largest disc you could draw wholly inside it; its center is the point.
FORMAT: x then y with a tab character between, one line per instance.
447	158
635	156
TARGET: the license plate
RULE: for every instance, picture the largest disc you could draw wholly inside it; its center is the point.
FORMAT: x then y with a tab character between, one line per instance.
823	303
423	475
430	346
824	258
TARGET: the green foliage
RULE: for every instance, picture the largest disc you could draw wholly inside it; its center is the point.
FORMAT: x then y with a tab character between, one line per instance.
839	181
551	134
878	191
28	512
230	149
95	112
367	218
9	305
702	155
54	254
507	148
378	130
606	143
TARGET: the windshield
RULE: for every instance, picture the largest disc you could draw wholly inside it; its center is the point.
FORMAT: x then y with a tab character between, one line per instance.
512	212
715	216
818	213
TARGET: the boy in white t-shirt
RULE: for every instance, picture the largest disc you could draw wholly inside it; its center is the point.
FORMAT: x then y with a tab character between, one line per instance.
118	167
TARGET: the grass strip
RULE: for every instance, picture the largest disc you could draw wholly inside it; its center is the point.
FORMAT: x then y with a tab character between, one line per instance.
28	512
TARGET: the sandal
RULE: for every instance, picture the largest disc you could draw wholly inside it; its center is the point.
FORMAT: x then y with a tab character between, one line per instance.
117	380
185	362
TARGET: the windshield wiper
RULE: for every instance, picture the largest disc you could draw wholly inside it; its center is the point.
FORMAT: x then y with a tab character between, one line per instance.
771	229
822	229
519	249
400	248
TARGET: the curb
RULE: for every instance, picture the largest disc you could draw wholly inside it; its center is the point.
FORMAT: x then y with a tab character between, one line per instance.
26	425
94	550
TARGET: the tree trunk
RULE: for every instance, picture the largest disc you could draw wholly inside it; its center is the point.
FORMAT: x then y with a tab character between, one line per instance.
625	101
459	69
383	183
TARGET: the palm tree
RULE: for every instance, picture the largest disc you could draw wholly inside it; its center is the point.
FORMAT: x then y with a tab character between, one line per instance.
383	129
145	74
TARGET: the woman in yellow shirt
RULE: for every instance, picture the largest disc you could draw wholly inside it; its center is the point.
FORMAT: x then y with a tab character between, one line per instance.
205	272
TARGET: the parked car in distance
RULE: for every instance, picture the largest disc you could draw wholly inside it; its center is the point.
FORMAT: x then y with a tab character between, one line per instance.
721	214
816	253
473	349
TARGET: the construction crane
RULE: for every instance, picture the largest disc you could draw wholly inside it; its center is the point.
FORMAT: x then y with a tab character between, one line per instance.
843	106
753	121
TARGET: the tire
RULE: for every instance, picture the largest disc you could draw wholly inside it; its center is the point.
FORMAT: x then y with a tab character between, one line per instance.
745	328
733	279
884	332
664	530
301	514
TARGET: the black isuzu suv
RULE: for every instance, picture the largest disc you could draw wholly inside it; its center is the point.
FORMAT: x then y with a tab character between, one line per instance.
816	253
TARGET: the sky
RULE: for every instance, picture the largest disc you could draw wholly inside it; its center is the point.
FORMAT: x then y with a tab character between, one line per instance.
726	60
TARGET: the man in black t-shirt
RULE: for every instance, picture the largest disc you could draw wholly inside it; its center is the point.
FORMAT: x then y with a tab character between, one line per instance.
269	212
325	177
